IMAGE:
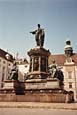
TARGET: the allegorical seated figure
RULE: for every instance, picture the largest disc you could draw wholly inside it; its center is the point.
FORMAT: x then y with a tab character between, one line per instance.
52	69
39	36
55	72
14	72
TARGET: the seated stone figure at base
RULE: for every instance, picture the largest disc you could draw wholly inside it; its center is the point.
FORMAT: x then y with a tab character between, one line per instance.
55	72
52	69
14	72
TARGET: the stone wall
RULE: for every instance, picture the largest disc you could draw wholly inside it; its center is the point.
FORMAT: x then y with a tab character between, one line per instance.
33	97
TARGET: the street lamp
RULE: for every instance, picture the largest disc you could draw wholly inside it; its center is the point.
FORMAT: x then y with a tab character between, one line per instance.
7	57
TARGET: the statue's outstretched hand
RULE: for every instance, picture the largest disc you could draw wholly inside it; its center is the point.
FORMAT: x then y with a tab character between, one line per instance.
33	32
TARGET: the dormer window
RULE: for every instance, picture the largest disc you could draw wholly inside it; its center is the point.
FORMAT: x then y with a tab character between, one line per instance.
68	60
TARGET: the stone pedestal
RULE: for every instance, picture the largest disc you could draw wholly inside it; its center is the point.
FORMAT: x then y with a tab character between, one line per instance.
42	84
8	84
14	86
38	63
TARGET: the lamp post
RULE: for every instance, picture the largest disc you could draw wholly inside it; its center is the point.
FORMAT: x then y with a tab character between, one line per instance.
7	57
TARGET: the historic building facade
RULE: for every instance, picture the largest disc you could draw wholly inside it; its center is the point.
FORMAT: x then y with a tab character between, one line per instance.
6	62
68	64
23	68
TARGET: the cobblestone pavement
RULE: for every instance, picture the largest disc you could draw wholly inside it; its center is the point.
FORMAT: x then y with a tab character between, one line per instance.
35	111
69	106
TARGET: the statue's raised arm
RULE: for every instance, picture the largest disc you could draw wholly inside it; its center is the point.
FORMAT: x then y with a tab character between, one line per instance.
39	36
33	32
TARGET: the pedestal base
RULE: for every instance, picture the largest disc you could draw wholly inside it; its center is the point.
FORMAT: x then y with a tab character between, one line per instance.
35	84
35	90
8	85
13	86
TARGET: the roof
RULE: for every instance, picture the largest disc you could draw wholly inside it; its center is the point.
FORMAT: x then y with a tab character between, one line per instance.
4	53
74	57
61	58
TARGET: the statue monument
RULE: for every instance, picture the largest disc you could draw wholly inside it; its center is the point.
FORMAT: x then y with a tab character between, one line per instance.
39	36
43	83
38	56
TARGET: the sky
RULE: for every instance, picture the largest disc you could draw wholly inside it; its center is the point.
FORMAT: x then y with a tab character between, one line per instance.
19	17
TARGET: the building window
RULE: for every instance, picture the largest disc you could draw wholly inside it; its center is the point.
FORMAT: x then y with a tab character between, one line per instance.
9	70
25	66
4	62
3	70
70	84
9	64
0	68
70	74
69	60
3	76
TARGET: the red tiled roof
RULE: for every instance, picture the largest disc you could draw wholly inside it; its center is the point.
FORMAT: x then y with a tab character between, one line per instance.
3	55
74	58
60	58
